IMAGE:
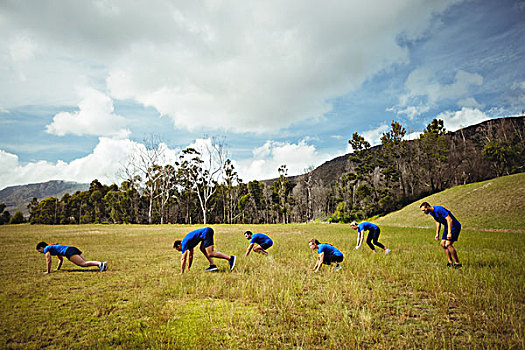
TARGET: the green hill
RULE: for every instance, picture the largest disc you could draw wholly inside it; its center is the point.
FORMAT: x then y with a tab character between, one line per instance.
493	204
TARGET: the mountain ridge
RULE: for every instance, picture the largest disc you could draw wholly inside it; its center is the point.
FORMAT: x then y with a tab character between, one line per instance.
17	197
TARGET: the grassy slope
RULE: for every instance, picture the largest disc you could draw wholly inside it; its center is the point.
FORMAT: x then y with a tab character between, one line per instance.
493	204
407	299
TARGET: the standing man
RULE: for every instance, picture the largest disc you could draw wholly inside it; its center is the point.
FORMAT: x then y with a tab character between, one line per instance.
259	242
451	230
373	235
204	236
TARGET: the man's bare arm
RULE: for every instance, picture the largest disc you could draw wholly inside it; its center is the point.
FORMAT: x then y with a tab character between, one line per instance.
48	262
183	261
320	260
249	249
60	261
190	258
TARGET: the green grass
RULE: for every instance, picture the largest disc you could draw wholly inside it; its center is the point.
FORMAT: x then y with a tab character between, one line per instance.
496	204
408	299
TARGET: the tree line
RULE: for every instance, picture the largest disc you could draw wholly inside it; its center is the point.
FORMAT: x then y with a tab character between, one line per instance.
202	186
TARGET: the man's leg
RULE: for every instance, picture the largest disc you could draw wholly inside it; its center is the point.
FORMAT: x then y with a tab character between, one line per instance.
203	250
260	250
446	251
79	260
453	253
211	253
376	243
369	241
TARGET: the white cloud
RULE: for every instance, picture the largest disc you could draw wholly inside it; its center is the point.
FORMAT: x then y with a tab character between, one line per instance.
469	102
520	89
110	156
423	91
241	66
373	136
102	164
7	161
94	117
270	156
413	135
462	118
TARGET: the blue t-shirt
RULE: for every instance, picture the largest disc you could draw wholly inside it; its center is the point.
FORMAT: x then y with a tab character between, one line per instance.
440	213
328	249
367	226
194	237
56	249
261	238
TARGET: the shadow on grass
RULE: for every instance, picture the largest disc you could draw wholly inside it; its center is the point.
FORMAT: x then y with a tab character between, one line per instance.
80	270
487	264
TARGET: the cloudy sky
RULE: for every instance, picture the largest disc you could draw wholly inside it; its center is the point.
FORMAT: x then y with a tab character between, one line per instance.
83	83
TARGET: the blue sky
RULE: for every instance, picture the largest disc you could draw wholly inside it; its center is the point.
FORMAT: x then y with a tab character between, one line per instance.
283	82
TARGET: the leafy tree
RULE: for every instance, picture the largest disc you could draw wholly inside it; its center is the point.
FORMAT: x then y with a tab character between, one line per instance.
281	198
18	218
500	153
364	194
341	214
5	216
434	153
232	186
394	151
258	212
362	156
118	205
46	212
33	209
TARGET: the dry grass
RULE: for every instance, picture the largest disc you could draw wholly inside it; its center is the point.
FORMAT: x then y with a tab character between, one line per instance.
407	299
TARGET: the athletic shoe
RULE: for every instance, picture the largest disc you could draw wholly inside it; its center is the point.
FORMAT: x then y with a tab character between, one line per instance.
450	265
105	265
457	266
387	251
338	267
211	268
101	267
232	262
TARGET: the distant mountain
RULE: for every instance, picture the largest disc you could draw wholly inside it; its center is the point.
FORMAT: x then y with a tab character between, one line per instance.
465	157
331	171
16	198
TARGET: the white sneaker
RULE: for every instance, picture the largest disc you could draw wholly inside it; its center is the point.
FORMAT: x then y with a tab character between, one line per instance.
338	267
387	251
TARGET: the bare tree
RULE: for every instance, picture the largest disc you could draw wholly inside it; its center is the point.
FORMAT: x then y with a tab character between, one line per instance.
205	167
166	178
142	166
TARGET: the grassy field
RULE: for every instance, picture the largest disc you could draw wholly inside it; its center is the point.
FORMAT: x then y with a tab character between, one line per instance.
408	299
493	204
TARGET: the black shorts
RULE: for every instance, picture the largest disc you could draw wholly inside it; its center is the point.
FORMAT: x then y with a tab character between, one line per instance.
72	251
455	233
208	239
266	245
328	259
